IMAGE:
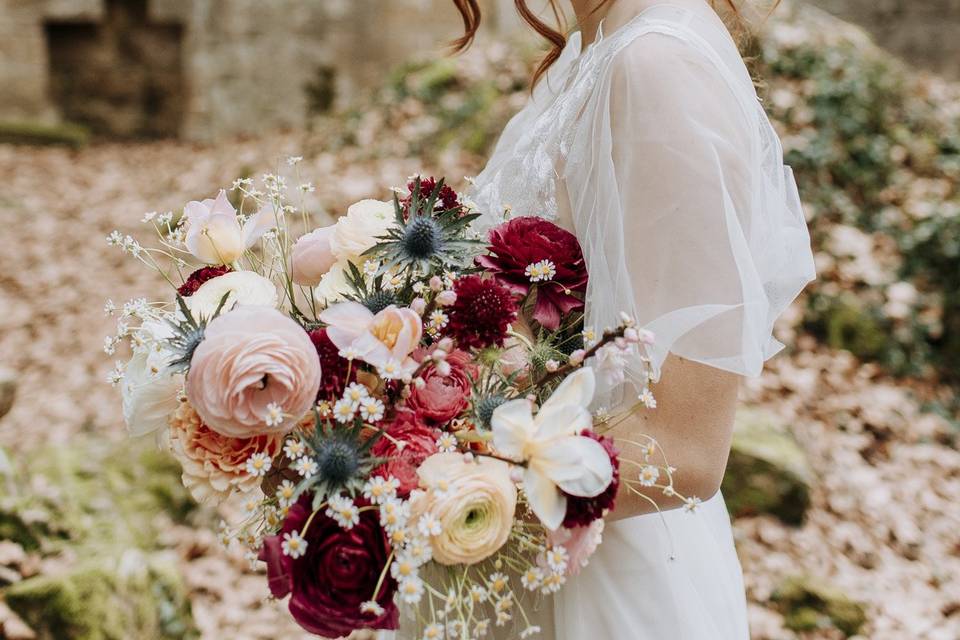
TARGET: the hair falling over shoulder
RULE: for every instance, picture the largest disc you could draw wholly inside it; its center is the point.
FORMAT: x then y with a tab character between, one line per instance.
556	34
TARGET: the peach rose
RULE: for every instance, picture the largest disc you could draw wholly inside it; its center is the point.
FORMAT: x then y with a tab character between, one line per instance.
215	465
474	502
252	361
312	257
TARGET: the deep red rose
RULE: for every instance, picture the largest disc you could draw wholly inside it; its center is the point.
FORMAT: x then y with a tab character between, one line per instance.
334	379
198	277
526	240
337	573
481	314
582	511
420	442
443	398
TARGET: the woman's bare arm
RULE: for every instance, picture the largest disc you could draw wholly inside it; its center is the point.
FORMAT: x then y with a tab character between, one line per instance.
693	425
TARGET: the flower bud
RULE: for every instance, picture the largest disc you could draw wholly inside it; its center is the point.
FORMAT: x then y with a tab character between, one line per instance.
446	298
436	283
419	305
577	357
551	365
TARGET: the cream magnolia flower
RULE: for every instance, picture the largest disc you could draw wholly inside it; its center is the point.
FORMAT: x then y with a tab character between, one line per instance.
214	234
243	287
357	231
149	395
475	511
384	340
558	459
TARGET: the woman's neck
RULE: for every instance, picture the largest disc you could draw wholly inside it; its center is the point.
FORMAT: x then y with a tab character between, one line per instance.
590	13
614	13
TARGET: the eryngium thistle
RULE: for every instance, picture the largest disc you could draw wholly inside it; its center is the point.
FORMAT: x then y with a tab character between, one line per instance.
422	238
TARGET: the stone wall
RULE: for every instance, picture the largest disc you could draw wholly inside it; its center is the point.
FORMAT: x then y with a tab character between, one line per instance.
923	32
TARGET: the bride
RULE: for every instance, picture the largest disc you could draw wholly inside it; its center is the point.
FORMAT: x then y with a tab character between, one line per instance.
644	136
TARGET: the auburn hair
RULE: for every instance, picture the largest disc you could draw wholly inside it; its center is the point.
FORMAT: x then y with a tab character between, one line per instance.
556	36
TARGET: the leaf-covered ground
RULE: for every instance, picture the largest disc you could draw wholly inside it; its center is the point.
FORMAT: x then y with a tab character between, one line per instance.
884	525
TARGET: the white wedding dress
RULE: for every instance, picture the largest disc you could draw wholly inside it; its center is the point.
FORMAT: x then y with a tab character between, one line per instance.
652	147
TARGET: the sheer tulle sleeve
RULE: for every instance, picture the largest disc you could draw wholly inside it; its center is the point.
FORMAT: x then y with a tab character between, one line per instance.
688	218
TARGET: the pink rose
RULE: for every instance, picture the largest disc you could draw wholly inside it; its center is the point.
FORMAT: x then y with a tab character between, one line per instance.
444	397
312	257
251	361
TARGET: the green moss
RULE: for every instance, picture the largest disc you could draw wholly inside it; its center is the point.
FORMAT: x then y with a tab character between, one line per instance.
131	597
35	133
767	472
847	326
809	604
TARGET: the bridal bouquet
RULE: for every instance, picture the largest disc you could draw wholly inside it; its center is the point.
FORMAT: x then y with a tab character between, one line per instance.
401	405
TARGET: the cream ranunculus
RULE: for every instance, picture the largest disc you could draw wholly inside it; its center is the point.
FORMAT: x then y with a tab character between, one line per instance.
251	361
243	287
558	459
473	501
384	340
357	231
214	234
333	285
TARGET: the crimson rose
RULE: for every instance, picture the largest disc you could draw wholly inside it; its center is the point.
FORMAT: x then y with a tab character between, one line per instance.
419	442
527	240
443	398
336	574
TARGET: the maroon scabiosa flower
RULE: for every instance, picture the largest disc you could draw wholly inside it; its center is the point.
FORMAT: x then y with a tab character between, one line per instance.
198	277
582	511
532	253
334	379
447	198
481	314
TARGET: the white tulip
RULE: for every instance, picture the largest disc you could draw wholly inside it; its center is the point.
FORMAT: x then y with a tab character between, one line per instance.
558	458
214	234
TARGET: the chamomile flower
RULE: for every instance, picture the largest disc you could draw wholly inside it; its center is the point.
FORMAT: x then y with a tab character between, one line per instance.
478	593
403	568
306	466
441	488
252	503
344	410
343	511
371	607
391	370
394	513
646	397
497	582
429	525
293	545
481	629
349	353
649	475
399	536
557	558
438	319
691	504
532	578
258	464
274	415
411	590
433	631
419	550
530	631
378	489
371	409
541	271
552	582
447	443
355	392
293	448
285	493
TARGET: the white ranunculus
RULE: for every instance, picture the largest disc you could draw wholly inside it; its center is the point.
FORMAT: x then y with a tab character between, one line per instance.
243	287
333	284
214	234
149	395
357	231
559	460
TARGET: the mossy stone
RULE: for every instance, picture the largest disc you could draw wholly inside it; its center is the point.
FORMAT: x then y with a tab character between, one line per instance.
768	471
809	604
36	133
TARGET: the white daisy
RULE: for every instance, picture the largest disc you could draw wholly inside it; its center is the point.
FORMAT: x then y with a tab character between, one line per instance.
447	443
306	466
690	505
403	568
274	415
285	493
343	511
438	319
649	475
433	631
378	489
441	488
371	409
418	550
371	607
259	464
478	593
411	590
532	578
355	392
541	271
557	558
530	631
429	525
294	448
646	397
497	582
293	545
344	410
394	513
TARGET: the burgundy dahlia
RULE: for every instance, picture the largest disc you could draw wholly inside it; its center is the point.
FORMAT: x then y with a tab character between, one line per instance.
334	379
582	511
447	197
198	277
481	314
528	242
338	571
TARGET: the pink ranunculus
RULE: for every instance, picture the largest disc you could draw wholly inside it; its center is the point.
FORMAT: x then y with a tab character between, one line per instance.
419	441
443	398
580	543
338	571
312	257
384	340
251	359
